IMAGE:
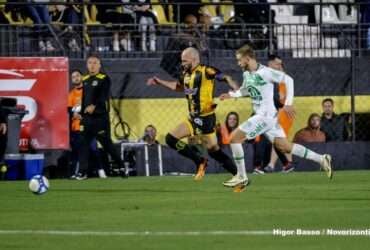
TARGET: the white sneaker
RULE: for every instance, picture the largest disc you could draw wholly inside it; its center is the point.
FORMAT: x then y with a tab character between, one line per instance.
42	46
126	44
152	46
115	46
236	180
49	47
102	174
326	165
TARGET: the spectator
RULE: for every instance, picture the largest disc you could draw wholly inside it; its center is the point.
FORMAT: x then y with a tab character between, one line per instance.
191	7
231	123
40	17
108	13
312	132
150	134
190	36
67	18
146	20
334	126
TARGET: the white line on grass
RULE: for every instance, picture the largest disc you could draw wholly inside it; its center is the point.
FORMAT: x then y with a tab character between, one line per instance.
274	232
144	233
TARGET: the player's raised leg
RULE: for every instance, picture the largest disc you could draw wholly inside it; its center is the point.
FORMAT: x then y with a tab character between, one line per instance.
173	140
301	151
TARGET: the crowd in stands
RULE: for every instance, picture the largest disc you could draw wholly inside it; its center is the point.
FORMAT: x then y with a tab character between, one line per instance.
126	19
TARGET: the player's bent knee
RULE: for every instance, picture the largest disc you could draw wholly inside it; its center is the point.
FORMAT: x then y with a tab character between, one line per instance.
283	145
171	141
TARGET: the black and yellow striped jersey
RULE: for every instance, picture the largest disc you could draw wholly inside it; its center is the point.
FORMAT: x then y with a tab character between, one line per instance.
199	89
96	91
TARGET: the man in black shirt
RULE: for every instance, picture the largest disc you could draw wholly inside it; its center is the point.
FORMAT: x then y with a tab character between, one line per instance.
95	115
334	126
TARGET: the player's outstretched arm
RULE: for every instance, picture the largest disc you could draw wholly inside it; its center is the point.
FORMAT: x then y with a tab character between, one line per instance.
231	82
231	94
173	85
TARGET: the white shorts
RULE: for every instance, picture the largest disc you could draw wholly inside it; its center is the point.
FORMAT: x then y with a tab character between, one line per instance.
258	125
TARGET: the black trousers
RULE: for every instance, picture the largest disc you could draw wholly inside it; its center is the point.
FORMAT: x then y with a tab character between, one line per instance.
96	128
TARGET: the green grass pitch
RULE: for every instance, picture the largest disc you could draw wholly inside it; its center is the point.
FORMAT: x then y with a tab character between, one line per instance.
178	213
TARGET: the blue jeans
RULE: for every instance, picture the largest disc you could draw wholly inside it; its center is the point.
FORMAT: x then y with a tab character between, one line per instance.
40	17
368	38
39	14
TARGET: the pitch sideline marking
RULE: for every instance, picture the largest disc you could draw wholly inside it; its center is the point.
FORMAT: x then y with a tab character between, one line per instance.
143	233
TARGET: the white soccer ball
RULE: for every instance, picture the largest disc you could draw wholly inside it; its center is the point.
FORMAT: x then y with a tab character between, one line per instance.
39	184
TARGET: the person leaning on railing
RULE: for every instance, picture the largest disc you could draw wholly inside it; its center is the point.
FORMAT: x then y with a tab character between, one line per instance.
111	13
146	20
40	16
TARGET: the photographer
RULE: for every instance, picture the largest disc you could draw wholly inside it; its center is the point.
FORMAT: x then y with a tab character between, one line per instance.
150	134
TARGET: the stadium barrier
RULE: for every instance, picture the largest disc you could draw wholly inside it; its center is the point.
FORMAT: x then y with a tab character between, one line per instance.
327	57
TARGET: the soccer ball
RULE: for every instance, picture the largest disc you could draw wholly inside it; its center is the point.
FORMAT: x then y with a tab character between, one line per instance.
38	184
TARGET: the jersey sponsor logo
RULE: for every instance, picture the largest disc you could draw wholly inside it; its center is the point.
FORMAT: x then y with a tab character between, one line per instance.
254	93
198	121
94	83
189	91
254	79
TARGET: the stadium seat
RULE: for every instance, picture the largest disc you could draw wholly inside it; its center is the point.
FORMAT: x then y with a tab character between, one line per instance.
211	9
284	15
90	16
321	53
347	14
160	14
329	15
9	16
227	11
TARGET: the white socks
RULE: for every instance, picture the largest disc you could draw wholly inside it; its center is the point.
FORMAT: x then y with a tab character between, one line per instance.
238	155
305	153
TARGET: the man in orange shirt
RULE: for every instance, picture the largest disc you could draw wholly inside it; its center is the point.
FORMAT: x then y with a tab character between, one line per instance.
74	108
285	116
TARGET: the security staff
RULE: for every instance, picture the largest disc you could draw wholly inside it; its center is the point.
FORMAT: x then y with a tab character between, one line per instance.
95	115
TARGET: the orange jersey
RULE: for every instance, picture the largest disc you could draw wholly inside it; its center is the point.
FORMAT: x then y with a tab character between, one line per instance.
284	121
74	99
225	135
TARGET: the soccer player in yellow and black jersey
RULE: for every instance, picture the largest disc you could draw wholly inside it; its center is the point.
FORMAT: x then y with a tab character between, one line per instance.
197	81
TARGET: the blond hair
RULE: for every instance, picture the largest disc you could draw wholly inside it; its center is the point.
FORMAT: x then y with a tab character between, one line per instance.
246	50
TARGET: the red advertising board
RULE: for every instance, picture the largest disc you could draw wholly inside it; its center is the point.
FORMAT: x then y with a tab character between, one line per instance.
40	84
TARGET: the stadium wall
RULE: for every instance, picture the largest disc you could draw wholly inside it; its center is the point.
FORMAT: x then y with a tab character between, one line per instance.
346	156
166	113
315	79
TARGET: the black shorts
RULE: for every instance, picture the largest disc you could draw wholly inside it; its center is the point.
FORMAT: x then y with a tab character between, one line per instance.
203	125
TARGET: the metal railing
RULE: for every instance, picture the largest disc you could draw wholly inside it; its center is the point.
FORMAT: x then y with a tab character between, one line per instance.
330	29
